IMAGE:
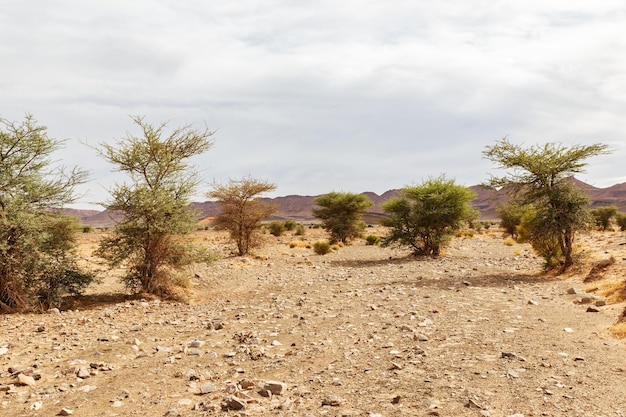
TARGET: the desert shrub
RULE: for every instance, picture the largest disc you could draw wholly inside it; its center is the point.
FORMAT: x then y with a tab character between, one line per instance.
509	241
341	214
620	219
372	240
241	210
602	216
540	175
321	247
428	215
155	204
38	263
87	229
300	230
276	228
511	217
290	225
545	241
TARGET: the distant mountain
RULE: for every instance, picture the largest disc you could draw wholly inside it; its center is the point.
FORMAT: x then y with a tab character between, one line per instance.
299	207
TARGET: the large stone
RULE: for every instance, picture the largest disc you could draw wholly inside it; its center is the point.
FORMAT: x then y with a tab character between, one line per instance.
26	380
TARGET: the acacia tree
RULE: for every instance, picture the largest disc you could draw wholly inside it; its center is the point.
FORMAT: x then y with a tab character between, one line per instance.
427	215
540	176
154	204
37	258
241	211
341	214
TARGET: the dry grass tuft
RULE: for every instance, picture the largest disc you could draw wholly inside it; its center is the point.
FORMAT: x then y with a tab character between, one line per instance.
618	330
509	241
614	291
299	244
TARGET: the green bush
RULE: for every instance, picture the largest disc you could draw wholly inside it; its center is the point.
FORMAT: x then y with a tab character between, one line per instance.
290	225
602	216
300	230
276	228
428	215
372	240
620	219
321	247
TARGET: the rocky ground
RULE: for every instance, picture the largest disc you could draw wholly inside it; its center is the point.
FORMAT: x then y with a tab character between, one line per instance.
363	331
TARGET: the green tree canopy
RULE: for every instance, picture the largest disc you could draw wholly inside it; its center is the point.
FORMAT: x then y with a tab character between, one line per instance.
154	203
427	215
241	211
37	260
539	175
341	214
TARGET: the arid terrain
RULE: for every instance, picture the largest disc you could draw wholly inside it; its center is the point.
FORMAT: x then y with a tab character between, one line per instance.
362	331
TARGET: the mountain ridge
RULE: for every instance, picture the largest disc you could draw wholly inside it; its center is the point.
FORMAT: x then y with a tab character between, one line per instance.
298	207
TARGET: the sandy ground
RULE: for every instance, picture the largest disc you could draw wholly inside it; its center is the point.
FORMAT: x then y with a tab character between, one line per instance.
363	331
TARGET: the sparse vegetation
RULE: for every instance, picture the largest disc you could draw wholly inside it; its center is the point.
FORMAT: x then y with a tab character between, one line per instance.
602	216
428	215
290	225
540	176
155	204
37	258
511	217
509	241
321	247
241	212
341	214
620	220
276	228
372	240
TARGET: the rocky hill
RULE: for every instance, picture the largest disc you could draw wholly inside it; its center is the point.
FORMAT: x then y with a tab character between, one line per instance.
299	207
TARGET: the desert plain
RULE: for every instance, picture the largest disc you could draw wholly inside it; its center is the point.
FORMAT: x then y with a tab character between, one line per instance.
362	331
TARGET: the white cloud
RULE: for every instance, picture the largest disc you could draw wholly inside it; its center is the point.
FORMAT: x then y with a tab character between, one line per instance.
323	95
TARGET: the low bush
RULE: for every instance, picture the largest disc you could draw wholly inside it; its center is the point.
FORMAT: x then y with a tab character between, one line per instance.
290	225
372	240
321	247
276	227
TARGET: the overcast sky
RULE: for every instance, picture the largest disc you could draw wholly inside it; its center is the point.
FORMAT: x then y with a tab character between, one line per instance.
319	95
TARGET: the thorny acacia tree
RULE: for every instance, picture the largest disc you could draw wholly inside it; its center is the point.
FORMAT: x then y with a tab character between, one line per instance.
241	212
341	214
427	215
37	262
154	204
540	176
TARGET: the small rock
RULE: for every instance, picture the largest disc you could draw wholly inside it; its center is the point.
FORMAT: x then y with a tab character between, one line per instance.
600	303
568	330
207	388
421	337
26	380
573	290
233	403
593	309
3	350
533	303
332	401
185	402
66	412
36	405
275	387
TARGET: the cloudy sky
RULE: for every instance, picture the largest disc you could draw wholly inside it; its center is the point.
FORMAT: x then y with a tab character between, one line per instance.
321	95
